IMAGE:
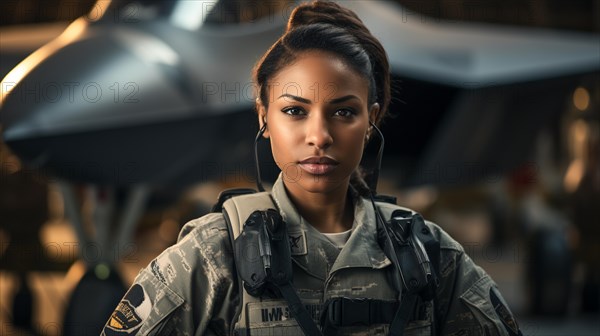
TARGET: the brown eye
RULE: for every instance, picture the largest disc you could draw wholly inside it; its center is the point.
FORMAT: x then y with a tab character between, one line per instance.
345	112
293	111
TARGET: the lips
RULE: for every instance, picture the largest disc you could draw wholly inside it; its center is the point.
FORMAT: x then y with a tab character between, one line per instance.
318	165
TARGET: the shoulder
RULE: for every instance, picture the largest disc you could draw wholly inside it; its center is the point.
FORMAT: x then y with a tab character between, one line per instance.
452	255
180	289
203	247
205	226
199	267
453	258
202	252
446	241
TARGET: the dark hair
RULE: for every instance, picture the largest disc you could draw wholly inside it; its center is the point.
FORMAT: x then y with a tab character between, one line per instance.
326	26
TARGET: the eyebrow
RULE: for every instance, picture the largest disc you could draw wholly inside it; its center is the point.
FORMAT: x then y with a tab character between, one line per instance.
343	99
300	99
308	101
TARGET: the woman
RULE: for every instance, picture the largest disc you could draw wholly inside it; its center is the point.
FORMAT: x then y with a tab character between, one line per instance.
323	88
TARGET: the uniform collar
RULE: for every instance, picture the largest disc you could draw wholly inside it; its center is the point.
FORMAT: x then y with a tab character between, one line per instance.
361	249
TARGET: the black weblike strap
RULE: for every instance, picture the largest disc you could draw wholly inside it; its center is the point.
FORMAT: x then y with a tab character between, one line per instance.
299	312
349	312
403	314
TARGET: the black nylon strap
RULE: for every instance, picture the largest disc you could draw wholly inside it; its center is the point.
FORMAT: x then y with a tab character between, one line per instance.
403	314
348	312
299	312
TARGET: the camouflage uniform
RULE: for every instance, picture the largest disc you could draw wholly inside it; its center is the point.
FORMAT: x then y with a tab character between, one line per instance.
192	289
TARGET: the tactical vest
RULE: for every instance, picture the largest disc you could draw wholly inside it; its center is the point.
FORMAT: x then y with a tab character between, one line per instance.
353	307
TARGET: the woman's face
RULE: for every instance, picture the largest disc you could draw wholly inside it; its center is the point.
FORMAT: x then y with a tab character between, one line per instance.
317	121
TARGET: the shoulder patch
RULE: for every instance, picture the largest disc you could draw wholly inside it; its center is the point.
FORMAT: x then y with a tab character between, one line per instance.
503	313
130	313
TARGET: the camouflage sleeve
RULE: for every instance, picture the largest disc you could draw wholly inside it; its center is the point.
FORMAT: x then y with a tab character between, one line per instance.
468	300
186	290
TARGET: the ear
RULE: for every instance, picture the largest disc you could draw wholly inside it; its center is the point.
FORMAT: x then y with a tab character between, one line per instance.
262	117
374	112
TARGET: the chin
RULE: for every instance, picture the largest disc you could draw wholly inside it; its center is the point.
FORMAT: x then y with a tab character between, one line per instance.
322	184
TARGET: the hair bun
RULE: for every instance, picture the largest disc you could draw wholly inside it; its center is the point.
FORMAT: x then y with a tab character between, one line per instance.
325	12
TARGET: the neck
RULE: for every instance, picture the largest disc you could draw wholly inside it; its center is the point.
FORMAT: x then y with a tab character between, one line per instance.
330	212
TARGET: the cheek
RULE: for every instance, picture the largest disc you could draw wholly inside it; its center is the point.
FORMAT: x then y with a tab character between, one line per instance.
350	148
353	141
277	148
282	143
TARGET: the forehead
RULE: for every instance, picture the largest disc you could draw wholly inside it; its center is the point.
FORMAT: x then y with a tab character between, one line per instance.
319	71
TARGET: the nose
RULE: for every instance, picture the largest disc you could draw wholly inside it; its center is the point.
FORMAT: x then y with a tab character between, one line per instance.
318	133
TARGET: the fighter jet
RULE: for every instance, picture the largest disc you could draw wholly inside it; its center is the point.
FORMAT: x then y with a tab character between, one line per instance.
159	93
143	94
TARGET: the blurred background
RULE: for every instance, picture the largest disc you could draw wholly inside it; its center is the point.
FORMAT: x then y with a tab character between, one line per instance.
122	120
